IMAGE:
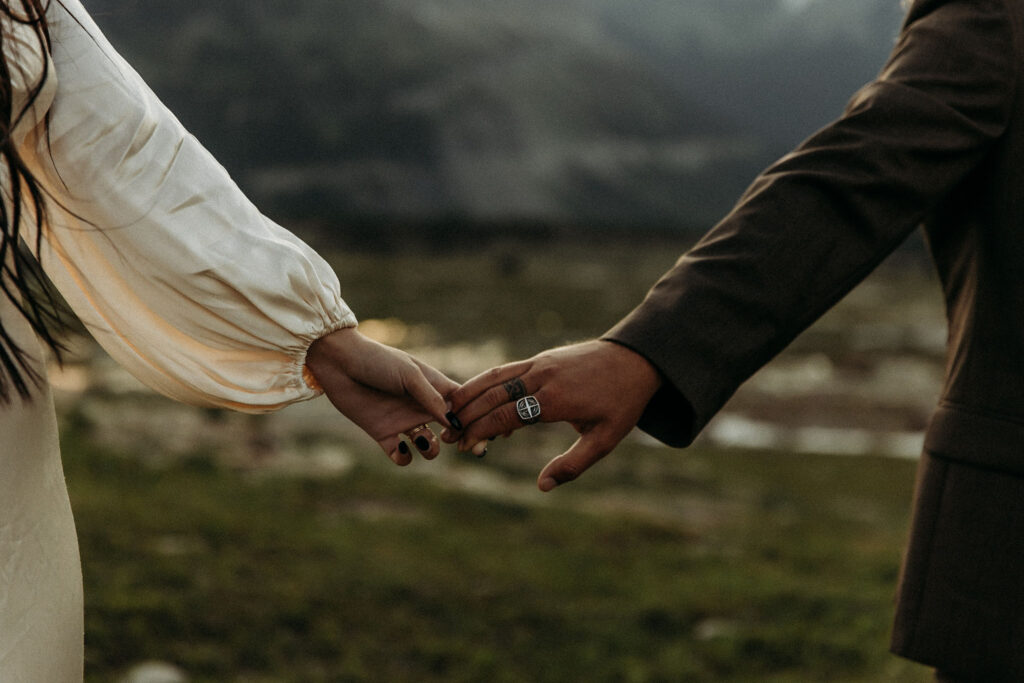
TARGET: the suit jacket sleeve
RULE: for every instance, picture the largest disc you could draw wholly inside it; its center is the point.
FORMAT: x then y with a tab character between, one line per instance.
820	219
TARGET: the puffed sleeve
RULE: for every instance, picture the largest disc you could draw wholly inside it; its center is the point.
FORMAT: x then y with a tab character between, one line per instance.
173	271
820	219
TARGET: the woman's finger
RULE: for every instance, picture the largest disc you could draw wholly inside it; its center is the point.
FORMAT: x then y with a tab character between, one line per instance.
440	381
425	441
423	392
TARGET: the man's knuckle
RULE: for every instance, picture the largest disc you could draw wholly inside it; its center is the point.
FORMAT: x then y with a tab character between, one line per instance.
496	397
553	395
545	371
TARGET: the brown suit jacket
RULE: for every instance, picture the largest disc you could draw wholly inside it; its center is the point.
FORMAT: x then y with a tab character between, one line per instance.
936	140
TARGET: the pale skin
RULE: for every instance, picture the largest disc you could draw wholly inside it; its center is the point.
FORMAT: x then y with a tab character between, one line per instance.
383	390
601	388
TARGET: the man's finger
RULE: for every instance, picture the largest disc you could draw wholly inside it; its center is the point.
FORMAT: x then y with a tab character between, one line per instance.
502	420
486	380
587	450
500	397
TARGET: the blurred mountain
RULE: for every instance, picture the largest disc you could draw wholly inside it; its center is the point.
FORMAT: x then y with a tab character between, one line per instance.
593	112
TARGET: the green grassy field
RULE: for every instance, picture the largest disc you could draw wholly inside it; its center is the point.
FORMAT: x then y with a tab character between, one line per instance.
659	565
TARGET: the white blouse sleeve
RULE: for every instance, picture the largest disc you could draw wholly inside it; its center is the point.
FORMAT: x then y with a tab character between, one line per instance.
174	272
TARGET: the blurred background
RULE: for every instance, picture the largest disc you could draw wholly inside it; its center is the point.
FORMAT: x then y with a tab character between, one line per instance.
491	178
645	115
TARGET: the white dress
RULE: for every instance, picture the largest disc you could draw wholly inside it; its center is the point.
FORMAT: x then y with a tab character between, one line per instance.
174	272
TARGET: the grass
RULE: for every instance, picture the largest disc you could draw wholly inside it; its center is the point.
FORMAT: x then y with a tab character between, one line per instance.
740	567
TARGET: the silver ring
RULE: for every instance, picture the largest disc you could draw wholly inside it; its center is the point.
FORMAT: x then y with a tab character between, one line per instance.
420	428
528	408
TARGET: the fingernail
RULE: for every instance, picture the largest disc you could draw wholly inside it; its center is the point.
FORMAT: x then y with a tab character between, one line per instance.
547	483
482	454
422	443
491	438
453	421
402	448
480	449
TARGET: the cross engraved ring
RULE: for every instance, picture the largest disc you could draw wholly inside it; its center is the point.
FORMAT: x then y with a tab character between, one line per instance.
528	408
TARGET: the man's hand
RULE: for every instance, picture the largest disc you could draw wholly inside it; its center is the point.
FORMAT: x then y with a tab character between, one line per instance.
601	388
384	391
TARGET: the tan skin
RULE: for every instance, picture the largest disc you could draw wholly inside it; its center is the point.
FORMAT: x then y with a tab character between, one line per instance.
601	388
384	391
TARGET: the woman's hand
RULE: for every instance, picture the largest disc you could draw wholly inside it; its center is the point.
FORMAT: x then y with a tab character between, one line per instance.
384	391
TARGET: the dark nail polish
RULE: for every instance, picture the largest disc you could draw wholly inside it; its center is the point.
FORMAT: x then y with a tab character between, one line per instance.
402	448
453	421
491	438
422	443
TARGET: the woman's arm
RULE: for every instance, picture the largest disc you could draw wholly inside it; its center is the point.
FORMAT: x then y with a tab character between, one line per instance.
175	272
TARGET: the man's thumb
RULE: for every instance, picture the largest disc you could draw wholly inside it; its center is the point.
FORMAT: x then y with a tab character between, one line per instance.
587	450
